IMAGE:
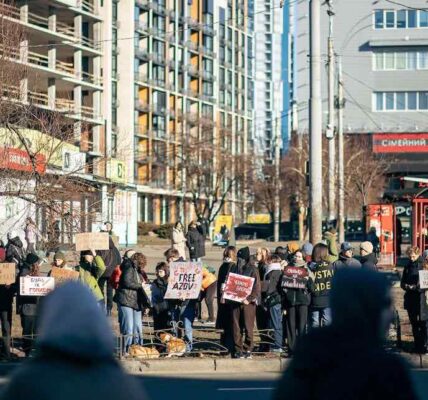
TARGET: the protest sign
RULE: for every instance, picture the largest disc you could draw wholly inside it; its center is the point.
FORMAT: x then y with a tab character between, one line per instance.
238	287
185	280
7	273
92	240
423	279
62	275
36	285
295	278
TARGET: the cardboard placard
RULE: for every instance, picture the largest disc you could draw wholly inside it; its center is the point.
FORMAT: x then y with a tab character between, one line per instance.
7	273
185	280
62	275
36	285
92	240
295	278
238	287
423	279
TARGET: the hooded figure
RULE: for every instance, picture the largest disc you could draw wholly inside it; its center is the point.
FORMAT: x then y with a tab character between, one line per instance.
346	360
75	350
15	250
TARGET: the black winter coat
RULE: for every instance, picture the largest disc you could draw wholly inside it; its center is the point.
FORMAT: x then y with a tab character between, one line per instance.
130	292
195	243
111	258
15	252
251	271
323	275
344	262
26	305
414	298
369	261
223	309
296	296
271	288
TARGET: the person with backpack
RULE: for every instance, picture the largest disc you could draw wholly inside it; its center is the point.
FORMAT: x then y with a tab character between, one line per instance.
322	271
15	250
161	314
112	259
271	299
296	285
132	300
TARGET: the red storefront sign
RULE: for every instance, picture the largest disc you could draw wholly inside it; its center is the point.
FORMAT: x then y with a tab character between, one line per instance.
19	160
400	143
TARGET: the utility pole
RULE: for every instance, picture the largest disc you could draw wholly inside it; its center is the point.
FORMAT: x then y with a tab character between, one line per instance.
277	212
340	107
315	122
330	131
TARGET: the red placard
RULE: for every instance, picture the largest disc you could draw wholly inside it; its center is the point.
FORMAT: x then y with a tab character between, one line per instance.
295	278
19	160
400	143
238	287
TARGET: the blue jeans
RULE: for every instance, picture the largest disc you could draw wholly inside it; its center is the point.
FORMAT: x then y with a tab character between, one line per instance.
185	315
320	317
131	326
275	323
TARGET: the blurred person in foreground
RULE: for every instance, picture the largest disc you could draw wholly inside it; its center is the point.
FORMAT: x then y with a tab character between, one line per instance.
346	360
75	354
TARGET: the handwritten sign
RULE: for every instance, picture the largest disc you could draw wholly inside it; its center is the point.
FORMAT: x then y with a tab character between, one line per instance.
62	275
185	280
423	279
7	273
36	285
92	240
295	278
238	287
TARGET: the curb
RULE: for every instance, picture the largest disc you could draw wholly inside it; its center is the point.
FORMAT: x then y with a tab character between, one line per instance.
201	366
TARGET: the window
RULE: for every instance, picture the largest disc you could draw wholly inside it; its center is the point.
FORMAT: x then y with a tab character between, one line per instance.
401	58
423	60
401	101
411	18
379	19
412	60
390	19
423	19
401	18
379	64
389	60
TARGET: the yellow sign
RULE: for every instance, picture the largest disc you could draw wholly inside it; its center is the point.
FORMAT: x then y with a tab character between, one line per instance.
117	170
38	143
221	222
258	219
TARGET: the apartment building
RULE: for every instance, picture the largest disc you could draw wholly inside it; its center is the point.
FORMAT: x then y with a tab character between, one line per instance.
188	72
384	55
268	93
66	56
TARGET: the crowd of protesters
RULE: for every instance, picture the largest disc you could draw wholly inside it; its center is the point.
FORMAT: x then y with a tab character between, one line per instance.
290	295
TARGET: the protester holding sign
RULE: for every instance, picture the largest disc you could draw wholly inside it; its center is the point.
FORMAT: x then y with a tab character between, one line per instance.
415	299
244	314
132	300
90	269
27	306
296	288
161	317
7	292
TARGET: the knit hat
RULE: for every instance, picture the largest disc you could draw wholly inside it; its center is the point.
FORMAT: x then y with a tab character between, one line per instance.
86	253
32	259
59	255
345	246
367	247
307	248
293	247
244	254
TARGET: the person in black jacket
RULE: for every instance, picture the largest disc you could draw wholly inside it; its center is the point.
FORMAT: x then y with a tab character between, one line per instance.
368	258
346	360
322	271
132	300
195	242
27	306
224	309
262	318
15	250
296	287
161	315
415	299
244	314
112	259
271	299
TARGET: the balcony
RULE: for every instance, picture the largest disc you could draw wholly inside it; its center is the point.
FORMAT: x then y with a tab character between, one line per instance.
192	45
142	54
208	76
158	8
141	26
88	6
208	30
155	31
193	23
207	52
192	70
159	134
143	4
143	106
142	156
172	15
192	118
158	58
159	109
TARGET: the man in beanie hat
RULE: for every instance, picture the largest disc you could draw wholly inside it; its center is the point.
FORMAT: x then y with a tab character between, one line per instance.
330	238
328	362
307	249
244	314
368	258
346	259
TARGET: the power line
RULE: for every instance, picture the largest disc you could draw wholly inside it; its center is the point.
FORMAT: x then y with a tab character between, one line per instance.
397	3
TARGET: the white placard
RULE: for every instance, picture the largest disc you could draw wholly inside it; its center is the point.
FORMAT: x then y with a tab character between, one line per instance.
423	279
36	285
